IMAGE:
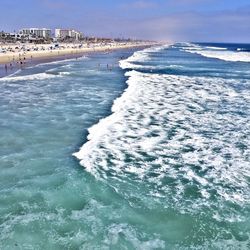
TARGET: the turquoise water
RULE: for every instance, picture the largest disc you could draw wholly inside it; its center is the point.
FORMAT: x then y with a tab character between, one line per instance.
168	169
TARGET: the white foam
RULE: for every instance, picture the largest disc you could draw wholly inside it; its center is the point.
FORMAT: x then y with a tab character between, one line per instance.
216	48
193	48
62	61
131	235
227	56
242	49
220	53
64	73
40	76
161	122
139	57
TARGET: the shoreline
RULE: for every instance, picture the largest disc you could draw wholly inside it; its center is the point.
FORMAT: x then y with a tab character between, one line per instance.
36	61
12	62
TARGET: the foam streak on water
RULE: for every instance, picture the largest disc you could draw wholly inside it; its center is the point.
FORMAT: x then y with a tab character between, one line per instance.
220	53
185	138
176	120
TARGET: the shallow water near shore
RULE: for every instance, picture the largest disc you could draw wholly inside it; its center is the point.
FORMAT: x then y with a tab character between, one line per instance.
15	67
166	167
45	113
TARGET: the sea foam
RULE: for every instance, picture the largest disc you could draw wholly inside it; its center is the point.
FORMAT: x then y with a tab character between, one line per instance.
167	127
40	76
220	53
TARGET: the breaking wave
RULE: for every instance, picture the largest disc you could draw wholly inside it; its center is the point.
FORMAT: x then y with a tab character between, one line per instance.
190	132
220	53
178	139
40	76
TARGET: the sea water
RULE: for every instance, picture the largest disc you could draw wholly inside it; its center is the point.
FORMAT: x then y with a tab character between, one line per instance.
88	162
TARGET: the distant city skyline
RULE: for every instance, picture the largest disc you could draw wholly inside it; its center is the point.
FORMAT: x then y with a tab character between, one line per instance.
169	20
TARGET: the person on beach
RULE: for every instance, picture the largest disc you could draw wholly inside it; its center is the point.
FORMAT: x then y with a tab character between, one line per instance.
6	68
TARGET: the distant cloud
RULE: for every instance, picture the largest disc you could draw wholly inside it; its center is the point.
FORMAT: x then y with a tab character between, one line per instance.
214	26
231	26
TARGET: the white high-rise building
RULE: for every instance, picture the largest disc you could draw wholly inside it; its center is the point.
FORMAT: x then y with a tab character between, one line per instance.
68	33
36	32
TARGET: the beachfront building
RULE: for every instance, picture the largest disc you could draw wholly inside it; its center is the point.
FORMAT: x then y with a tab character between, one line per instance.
6	37
64	34
36	33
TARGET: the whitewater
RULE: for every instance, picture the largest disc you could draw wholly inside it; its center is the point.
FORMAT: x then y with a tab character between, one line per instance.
160	148
181	140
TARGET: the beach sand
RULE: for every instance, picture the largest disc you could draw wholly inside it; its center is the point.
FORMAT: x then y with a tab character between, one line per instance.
18	57
21	56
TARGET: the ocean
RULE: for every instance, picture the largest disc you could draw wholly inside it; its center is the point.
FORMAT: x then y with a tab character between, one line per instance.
144	149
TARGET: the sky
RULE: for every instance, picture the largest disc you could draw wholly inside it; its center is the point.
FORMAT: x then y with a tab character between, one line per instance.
161	20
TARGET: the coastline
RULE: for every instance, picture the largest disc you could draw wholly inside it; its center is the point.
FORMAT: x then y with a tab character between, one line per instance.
19	60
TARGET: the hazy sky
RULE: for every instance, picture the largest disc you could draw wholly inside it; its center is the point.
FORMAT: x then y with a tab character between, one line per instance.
173	20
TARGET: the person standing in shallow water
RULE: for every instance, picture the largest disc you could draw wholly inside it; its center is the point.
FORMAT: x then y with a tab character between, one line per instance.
6	68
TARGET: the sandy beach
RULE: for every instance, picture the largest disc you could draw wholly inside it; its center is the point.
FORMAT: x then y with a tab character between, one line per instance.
20	54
